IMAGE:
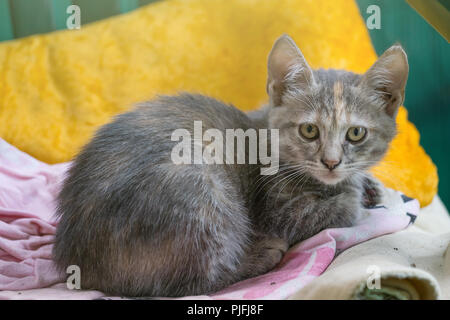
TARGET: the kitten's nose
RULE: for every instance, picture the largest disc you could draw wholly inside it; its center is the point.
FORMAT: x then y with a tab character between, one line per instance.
331	164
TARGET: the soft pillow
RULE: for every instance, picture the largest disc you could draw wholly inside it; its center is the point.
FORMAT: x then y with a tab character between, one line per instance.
57	89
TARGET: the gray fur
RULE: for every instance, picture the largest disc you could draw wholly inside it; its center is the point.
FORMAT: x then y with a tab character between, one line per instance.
139	225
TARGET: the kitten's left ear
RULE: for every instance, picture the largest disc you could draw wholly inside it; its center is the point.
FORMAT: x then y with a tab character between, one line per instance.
387	79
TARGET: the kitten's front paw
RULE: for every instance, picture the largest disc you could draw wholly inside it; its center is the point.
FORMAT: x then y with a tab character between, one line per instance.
373	193
270	253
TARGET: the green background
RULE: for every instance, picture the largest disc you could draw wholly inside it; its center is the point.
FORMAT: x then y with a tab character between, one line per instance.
428	88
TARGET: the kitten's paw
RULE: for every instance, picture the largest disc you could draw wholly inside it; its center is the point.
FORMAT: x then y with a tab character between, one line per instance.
272	251
373	193
265	253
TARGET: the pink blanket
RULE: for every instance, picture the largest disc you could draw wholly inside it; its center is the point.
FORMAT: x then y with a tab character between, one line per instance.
27	191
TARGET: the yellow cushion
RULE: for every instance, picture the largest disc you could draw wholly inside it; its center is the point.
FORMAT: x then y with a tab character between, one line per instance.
56	89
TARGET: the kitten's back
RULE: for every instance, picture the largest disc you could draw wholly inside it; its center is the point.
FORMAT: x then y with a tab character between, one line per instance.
138	224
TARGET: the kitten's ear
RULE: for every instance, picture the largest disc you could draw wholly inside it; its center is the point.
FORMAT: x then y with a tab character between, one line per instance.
387	79
287	70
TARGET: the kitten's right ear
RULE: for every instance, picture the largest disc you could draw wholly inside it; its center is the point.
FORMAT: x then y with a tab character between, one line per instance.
287	70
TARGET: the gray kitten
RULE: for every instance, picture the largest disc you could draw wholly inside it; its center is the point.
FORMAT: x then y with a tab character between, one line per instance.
139	225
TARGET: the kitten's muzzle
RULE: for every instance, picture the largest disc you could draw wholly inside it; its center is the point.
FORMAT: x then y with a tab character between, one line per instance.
331	164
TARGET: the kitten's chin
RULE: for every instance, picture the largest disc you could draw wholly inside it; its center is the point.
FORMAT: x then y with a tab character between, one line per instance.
329	177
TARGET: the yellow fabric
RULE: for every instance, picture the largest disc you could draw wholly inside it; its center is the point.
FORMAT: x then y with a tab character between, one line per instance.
56	89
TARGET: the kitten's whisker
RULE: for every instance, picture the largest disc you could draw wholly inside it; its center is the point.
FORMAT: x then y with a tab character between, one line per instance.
304	178
279	182
272	178
296	174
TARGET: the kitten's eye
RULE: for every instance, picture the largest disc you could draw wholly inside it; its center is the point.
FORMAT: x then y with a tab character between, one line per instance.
356	134
309	131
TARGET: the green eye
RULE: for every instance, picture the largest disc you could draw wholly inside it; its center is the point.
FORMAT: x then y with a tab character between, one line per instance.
356	134
309	131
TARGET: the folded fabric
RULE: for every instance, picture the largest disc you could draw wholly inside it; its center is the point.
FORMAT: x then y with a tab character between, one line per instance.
27	191
412	264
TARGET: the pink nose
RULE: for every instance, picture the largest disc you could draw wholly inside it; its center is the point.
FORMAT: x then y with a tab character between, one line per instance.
330	164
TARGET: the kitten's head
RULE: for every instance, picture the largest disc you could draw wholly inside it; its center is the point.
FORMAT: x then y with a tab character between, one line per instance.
333	124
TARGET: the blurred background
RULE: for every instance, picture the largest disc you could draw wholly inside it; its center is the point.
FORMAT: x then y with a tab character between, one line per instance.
428	88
